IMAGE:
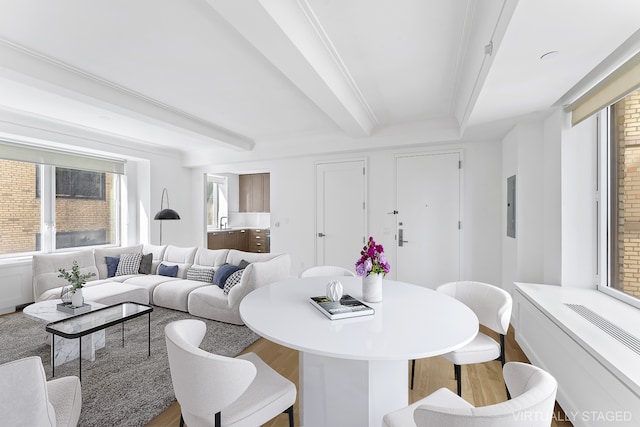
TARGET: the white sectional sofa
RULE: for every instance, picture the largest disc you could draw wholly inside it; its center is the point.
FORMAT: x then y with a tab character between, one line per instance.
196	296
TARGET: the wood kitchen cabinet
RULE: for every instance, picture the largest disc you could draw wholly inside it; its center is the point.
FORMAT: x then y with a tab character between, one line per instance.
259	241
228	239
255	192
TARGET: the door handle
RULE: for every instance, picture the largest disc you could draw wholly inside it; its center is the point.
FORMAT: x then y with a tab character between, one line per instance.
401	242
321	234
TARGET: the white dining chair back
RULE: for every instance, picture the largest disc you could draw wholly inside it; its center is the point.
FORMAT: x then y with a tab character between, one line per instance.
28	399
326	271
215	390
491	304
533	394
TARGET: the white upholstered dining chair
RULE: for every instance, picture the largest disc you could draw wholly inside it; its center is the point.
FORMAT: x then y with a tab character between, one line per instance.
215	390
28	399
492	306
533	392
326	271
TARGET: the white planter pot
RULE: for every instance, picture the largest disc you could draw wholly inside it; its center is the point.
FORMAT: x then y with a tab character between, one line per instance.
372	288
77	299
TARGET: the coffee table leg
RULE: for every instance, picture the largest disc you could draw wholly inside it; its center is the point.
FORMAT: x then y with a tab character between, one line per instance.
149	354
123	334
80	357
53	362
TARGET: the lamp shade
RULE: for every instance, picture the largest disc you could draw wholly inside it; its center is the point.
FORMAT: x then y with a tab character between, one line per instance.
167	214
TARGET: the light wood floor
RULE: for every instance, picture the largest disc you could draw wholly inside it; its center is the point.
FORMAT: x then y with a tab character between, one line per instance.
482	384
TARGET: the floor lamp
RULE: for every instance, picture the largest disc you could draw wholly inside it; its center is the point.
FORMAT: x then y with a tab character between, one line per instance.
165	214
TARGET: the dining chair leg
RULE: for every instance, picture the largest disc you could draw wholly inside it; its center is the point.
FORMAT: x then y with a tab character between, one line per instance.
458	372
218	419
413	371
289	411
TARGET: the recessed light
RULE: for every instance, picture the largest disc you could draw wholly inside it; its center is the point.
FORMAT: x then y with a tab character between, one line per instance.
549	54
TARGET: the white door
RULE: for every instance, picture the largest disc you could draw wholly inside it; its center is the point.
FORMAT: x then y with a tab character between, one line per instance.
428	205
340	216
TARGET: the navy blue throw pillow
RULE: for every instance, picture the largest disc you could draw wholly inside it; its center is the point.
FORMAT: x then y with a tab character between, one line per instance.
168	270
223	273
112	265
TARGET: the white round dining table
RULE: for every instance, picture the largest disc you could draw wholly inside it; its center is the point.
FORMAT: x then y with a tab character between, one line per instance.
354	370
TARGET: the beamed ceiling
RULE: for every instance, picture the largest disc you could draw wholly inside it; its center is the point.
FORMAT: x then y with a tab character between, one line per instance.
226	81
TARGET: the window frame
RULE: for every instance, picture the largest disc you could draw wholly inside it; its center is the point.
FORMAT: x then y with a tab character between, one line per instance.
46	191
606	204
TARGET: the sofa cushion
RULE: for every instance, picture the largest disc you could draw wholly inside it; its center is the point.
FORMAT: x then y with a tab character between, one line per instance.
100	254
167	270
114	292
45	270
202	274
182	257
112	265
233	280
175	294
158	254
223	273
129	264
146	263
149	282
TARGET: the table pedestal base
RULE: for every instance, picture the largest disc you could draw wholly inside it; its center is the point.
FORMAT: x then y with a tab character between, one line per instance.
66	350
341	392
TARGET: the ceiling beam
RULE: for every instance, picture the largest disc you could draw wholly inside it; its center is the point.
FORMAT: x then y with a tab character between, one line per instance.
21	64
287	33
487	24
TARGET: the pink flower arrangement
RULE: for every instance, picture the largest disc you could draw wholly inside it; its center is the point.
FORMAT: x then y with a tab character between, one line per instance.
372	260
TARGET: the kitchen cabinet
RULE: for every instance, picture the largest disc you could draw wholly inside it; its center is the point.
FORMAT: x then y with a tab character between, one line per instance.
259	241
255	192
248	240
228	239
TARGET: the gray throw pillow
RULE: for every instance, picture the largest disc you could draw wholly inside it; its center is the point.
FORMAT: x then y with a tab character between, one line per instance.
145	264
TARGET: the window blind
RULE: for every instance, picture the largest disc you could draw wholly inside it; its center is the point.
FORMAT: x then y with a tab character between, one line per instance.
60	158
611	89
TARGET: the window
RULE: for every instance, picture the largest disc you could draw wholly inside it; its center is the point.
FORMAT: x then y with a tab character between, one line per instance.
44	208
217	207
623	175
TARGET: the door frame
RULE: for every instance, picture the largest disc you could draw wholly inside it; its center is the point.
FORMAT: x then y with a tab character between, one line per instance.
460	153
315	201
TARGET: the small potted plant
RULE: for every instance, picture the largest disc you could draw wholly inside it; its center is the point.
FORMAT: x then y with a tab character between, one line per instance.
77	281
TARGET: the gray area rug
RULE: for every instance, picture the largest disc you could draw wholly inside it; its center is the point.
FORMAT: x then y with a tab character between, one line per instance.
122	387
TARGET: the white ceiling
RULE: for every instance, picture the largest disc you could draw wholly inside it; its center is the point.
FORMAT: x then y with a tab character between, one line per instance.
224	80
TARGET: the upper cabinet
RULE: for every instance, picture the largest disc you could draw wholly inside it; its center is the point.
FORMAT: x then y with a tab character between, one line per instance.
255	192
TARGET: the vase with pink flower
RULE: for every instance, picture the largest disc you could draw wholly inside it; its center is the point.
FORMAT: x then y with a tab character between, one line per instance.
372	267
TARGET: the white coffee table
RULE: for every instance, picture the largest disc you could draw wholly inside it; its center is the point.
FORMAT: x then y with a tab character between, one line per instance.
64	349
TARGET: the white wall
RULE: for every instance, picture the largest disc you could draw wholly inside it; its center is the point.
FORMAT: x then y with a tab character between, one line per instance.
293	204
528	156
555	168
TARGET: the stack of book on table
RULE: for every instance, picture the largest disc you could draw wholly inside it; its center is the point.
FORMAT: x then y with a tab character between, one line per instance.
348	306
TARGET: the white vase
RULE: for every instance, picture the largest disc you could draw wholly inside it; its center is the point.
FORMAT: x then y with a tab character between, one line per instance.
372	288
77	299
334	290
